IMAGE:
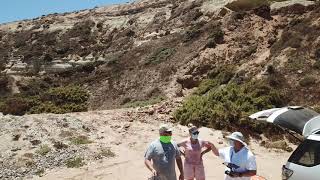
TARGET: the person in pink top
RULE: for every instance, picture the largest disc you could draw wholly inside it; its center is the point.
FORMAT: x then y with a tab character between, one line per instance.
193	149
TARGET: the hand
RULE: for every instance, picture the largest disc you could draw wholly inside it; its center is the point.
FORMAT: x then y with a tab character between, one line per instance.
210	145
154	172
183	152
234	174
181	177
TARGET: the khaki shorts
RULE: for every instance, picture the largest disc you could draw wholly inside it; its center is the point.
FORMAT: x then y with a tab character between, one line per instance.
194	171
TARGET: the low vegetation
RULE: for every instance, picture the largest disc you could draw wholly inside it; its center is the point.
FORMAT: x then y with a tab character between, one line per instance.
41	99
75	162
223	104
307	81
80	140
142	103
191	34
45	149
160	55
105	153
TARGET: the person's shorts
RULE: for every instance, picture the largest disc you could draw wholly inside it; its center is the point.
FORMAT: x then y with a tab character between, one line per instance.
194	171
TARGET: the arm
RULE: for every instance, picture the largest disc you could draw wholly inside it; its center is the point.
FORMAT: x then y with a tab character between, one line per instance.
147	160
208	148
215	151
181	144
148	164
248	173
205	151
180	167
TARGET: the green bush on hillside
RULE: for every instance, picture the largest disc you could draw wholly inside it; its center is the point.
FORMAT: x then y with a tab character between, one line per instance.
53	100
228	106
4	81
160	55
15	105
142	103
216	34
307	81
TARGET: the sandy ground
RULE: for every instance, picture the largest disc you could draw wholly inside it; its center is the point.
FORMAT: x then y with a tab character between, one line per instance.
131	145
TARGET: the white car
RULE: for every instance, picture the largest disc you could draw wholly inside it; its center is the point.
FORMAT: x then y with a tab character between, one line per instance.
304	163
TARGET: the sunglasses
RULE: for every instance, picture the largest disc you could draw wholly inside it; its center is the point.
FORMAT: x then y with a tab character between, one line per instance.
196	133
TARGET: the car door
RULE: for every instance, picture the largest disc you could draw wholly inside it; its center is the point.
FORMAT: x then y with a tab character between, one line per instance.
301	120
305	161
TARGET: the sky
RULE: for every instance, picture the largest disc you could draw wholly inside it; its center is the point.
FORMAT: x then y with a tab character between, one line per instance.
14	10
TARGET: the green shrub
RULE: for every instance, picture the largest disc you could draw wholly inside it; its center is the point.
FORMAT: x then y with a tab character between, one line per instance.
47	107
295	63
316	65
57	100
205	86
33	87
142	103
191	34
15	106
40	172
45	149
80	140
288	39
64	95
211	43
105	152
216	34
222	74
4	81
75	162
307	81
160	55
228	106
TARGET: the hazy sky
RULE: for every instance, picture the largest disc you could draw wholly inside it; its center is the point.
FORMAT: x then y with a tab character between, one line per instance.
13	10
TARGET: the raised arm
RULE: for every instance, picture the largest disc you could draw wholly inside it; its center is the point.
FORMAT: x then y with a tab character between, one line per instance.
215	151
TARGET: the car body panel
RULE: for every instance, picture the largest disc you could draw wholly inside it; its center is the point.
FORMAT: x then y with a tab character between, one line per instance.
303	173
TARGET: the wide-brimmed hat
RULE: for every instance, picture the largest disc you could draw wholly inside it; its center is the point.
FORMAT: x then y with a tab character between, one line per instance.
165	128
237	136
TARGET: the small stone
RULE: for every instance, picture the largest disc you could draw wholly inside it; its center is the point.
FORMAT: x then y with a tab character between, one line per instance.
116	142
15	149
300	71
126	126
16	137
35	142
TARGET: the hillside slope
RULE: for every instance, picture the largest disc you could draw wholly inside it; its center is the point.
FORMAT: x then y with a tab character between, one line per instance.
152	50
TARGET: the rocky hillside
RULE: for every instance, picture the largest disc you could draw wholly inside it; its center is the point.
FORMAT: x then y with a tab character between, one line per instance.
147	51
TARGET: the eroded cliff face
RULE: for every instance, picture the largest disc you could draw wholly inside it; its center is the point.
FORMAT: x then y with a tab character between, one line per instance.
159	49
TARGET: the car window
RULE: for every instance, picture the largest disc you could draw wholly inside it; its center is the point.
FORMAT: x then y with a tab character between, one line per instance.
307	154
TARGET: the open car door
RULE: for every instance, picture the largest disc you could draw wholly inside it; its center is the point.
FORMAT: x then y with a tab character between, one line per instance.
295	118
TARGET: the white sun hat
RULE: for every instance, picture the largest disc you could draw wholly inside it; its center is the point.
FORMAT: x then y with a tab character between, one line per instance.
237	136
